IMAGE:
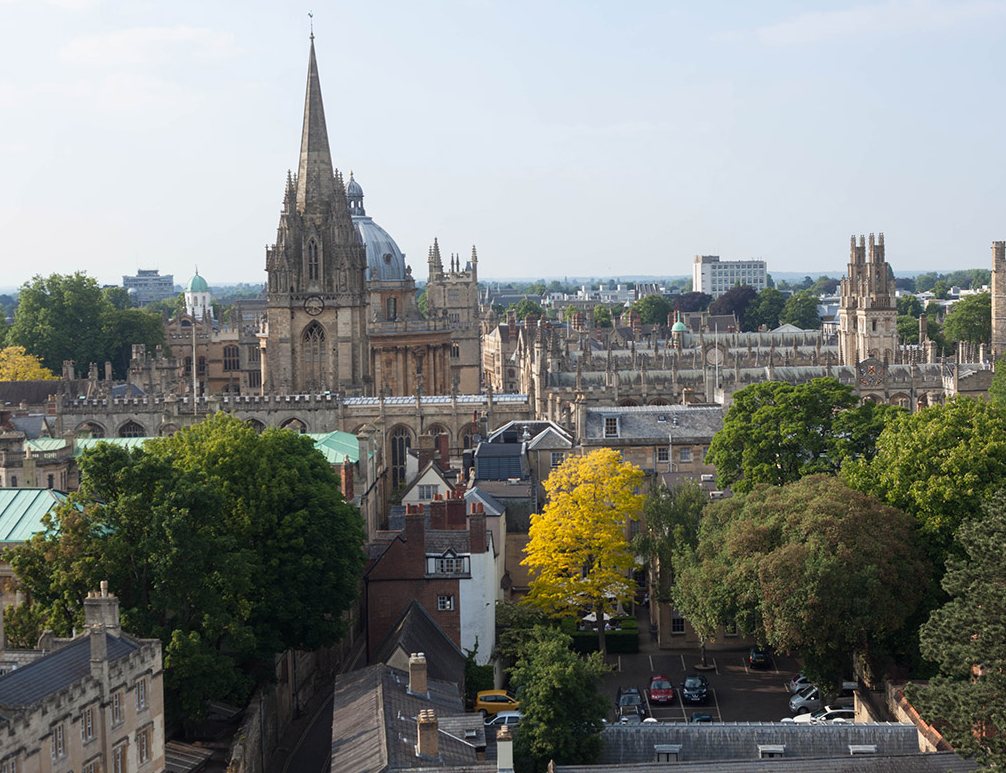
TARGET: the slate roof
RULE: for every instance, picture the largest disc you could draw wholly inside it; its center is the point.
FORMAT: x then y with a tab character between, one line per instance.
22	509
38	392
489	503
416	631
740	740
500	461
374	722
439	541
654	422
939	762
28	685
33	426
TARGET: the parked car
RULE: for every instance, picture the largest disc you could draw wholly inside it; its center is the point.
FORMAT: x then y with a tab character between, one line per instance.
810	698
661	689
699	717
630	705
827	716
491	702
694	689
504	718
758	657
797	683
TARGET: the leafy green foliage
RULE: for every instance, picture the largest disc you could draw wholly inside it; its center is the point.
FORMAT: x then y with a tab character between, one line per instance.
970	319
68	317
811	565
908	329
653	309
777	432
526	307
227	545
801	310
997	389
561	706
602	316
966	634
909	305
735	301
421	302
477	678
937	464
692	301
514	624
670	524
765	309
119	297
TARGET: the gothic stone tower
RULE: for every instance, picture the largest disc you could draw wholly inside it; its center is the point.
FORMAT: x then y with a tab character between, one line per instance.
868	312
998	299
316	296
454	295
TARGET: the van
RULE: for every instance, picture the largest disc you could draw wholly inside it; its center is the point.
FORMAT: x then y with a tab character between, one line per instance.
810	698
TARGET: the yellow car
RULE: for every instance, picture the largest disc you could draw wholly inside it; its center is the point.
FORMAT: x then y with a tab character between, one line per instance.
491	701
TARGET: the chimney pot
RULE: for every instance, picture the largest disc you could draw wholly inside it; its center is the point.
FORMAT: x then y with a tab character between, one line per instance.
417	674
428	744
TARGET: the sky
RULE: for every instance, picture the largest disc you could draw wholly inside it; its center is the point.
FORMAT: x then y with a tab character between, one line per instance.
561	138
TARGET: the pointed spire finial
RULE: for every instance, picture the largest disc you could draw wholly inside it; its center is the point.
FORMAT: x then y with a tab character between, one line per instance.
310	15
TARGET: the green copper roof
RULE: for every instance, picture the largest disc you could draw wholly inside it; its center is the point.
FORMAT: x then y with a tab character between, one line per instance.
22	509
123	442
336	446
679	327
197	285
45	444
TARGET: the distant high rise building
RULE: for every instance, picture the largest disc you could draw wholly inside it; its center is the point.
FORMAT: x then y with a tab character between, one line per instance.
714	277
148	286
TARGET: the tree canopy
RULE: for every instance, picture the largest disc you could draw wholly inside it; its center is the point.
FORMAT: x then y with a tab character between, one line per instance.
653	309
18	365
811	565
68	317
970	319
227	545
967	701
734	301
764	309
578	552
776	432
525	307
801	310
561	706
669	524
937	464
692	301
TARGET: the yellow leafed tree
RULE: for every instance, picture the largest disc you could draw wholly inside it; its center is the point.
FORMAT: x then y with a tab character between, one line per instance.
578	551
17	365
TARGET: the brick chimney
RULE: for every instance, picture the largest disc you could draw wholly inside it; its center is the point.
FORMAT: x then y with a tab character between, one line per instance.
428	744
102	608
511	325
444	450
504	750
346	476
438	512
415	529
477	529
417	675
455	511
426	449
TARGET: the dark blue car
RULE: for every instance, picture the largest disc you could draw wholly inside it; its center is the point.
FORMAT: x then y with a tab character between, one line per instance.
694	689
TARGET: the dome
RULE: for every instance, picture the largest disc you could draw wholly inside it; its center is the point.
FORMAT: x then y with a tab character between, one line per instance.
385	262
197	285
679	327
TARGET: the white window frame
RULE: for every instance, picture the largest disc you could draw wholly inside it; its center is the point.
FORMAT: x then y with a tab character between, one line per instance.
427	491
87	724
119	758
143	745
610	421
445	603
58	742
141	693
115	707
685	454
663	454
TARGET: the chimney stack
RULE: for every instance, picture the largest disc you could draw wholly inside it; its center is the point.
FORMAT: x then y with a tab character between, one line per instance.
504	750
346	473
102	608
429	735
417	675
438	512
99	652
477	542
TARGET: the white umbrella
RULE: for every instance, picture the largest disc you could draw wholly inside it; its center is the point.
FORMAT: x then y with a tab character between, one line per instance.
592	617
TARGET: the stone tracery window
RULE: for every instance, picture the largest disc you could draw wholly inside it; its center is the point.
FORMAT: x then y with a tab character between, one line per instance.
315	356
232	358
312	260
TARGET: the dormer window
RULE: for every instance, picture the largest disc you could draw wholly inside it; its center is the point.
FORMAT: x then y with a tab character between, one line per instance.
448	563
611	426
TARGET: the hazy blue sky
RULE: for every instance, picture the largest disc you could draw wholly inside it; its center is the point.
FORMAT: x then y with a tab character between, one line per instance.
559	137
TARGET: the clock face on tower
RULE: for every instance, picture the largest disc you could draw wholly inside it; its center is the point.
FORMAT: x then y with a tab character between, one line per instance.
314	305
714	356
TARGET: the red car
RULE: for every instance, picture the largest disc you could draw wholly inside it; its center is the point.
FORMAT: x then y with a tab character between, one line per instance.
661	689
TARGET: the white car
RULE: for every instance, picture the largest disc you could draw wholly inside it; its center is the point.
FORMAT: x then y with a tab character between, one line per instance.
829	715
504	718
797	683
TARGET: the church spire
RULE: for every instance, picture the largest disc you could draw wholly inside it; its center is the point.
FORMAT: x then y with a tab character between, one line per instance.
315	178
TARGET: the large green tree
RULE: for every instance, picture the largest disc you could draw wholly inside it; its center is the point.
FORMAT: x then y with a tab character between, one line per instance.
812	565
227	545
692	301
669	524
653	309
801	310
937	464
560	702
966	638
775	432
765	310
970	319
735	301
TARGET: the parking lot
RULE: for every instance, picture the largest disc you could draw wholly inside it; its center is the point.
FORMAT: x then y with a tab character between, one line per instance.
736	692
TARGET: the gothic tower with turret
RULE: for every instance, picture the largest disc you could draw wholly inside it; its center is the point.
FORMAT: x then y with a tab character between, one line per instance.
315	337
868	314
453	296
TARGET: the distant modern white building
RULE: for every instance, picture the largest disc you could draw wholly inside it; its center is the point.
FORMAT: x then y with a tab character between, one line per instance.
714	277
149	286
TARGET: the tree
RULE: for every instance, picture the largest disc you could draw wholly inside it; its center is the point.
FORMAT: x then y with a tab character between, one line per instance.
692	301
122	329
227	545
17	365
937	464
119	297
801	310
514	625
967	701
561	706
775	432
602	316
578	552
997	389
970	319
670	524
526	307
734	301
908	329
421	302
824	285
811	565
909	305
765	310
653	309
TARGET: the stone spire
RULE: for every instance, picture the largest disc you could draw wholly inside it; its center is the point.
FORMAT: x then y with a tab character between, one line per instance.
315	175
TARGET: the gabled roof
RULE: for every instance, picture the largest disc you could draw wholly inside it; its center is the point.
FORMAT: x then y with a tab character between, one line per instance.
416	631
28	685
490	504
433	466
34	426
22	510
654	422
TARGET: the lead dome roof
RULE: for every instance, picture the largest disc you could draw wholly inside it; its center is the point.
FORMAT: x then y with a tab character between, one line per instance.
385	261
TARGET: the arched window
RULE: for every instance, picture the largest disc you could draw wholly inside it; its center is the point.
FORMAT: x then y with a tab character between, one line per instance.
232	357
466	436
132	429
188	366
455	351
312	260
295	425
201	367
256	425
315	356
401	442
392	309
90	429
